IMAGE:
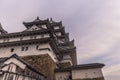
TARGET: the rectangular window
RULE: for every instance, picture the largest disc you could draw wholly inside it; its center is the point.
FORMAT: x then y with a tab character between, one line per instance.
12	49
37	47
31	37
7	39
26	48
21	38
42	35
35	37
22	49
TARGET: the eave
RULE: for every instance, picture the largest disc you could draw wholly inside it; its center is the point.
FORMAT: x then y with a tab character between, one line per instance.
37	22
87	66
25	33
25	42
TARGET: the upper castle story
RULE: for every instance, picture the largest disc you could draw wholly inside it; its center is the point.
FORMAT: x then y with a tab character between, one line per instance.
40	35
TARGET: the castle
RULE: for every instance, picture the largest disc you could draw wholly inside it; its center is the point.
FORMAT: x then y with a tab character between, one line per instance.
43	51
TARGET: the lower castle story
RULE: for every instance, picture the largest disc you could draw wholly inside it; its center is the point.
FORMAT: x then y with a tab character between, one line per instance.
43	68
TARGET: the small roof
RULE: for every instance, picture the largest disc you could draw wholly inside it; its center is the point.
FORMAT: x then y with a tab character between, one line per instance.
35	22
87	66
2	30
54	23
81	67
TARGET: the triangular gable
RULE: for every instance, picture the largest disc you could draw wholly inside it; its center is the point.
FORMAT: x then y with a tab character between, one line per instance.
6	67
33	28
36	27
41	24
16	62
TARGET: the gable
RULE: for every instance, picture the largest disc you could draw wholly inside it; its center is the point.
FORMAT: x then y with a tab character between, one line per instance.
33	28
15	61
36	27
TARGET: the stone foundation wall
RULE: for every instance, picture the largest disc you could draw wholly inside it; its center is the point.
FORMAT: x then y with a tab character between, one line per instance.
64	65
43	63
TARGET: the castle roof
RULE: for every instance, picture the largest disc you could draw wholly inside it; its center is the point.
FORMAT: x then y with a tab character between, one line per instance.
81	67
37	21
87	66
2	30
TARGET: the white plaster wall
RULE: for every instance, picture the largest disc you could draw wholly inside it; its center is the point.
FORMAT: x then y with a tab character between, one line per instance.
5	68
44	26
15	61
14	67
38	37
66	58
56	27
14	39
61	75
6	51
46	35
51	52
87	73
1	40
25	38
33	28
58	33
66	61
20	78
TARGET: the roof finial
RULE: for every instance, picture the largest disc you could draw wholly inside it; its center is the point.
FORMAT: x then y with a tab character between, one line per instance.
51	20
37	17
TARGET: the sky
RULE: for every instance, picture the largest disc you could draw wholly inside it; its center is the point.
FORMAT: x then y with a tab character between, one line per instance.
93	24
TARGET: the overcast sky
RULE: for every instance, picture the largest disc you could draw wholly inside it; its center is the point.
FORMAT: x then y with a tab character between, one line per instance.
94	24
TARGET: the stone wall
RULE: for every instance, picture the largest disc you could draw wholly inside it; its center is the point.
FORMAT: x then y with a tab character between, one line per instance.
65	65
43	63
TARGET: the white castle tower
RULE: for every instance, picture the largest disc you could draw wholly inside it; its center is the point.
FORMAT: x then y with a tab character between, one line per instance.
46	47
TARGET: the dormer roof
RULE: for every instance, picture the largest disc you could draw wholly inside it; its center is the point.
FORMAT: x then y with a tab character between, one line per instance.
37	21
2	31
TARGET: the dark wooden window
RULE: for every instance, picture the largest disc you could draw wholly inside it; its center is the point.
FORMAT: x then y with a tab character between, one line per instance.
12	49
42	35
22	49
31	37
37	47
21	38
26	48
35	37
